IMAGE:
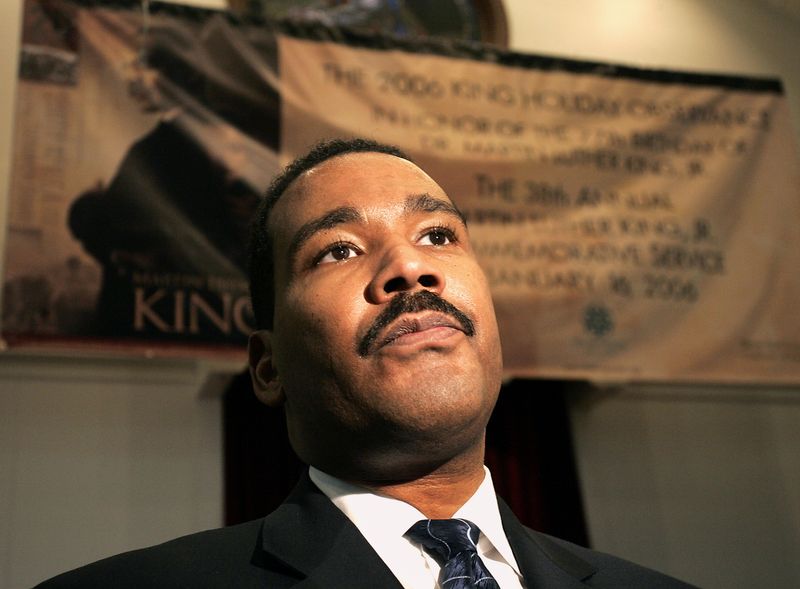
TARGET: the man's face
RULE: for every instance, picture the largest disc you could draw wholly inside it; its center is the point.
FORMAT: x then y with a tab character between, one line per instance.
385	342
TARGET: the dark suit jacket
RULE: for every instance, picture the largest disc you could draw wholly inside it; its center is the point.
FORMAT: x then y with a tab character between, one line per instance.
308	543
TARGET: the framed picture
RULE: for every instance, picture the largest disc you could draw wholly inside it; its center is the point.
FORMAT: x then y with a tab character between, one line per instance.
466	20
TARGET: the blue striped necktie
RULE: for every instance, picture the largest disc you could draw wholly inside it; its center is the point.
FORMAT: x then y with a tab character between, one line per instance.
453	544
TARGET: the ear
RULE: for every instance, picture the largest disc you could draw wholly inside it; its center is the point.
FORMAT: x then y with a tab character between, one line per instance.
266	383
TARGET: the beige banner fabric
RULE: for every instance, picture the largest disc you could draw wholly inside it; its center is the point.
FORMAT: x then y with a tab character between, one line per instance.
632	229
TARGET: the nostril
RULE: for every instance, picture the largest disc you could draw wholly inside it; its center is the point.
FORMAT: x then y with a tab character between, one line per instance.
427	280
394	285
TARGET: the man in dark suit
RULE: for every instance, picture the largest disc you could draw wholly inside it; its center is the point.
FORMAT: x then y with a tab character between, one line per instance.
377	335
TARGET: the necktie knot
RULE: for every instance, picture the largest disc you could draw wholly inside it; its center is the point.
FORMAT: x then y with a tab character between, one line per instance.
444	538
453	543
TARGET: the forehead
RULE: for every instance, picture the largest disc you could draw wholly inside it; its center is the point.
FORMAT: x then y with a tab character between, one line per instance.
371	181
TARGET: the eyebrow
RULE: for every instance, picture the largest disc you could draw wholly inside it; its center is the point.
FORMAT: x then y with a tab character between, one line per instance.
416	203
329	220
425	203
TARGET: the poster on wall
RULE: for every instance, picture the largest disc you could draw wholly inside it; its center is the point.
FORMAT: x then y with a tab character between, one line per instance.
634	224
140	153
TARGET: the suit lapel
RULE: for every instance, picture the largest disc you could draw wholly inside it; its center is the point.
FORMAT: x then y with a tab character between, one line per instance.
543	563
309	534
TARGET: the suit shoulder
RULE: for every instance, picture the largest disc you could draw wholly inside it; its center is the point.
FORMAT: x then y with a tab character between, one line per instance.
609	571
195	560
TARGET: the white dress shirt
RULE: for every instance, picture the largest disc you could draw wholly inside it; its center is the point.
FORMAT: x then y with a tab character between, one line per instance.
383	521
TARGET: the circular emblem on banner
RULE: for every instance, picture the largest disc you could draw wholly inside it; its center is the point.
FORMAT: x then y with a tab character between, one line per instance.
597	320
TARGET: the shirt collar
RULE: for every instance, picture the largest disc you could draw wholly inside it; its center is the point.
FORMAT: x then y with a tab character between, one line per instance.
360	505
482	509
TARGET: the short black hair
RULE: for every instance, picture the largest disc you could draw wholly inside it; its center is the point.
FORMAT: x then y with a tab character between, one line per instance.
261	263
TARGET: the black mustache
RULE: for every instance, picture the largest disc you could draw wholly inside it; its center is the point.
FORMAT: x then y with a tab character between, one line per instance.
423	300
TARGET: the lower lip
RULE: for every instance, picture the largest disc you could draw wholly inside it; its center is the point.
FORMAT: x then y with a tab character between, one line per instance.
432	334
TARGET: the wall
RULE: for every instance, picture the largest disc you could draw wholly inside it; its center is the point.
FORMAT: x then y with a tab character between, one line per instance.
99	455
702	482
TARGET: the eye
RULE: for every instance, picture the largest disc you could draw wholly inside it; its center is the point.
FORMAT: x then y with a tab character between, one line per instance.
438	236
338	252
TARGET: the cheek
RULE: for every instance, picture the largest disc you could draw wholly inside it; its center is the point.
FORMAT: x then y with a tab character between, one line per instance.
468	283
318	324
472	292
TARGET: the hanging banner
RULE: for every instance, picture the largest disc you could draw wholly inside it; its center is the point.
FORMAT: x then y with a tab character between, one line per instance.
634	225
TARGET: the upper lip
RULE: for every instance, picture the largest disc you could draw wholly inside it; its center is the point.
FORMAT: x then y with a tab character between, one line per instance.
415	323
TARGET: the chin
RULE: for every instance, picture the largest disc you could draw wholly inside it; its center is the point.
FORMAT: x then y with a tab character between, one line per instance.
392	450
396	464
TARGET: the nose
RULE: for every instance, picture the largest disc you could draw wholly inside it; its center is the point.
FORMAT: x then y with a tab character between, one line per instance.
405	268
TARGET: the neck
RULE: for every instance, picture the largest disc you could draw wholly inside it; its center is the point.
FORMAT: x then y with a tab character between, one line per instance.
439	494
